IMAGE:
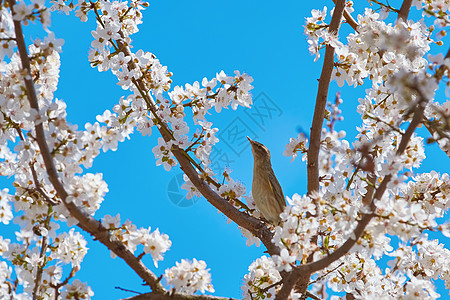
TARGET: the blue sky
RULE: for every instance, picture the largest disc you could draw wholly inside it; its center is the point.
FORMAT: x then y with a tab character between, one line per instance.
196	40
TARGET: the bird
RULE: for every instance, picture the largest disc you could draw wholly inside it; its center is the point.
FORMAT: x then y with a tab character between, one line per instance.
266	189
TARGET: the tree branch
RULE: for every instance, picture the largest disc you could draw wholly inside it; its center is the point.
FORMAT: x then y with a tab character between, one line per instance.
312	267
255	226
321	101
86	222
40	267
348	17
315	138
404	10
371	178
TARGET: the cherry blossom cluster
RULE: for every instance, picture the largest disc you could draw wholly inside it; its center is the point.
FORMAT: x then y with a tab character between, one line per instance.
30	12
363	275
220	92
231	189
438	113
423	200
189	277
295	145
77	290
68	248
295	233
437	9
379	50
154	242
263	281
5	207
7	44
259	282
5	277
315	29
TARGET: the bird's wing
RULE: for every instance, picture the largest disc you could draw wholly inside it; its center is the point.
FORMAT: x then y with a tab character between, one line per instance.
277	191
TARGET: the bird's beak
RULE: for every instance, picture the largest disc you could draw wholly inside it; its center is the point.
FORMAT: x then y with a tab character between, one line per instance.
250	140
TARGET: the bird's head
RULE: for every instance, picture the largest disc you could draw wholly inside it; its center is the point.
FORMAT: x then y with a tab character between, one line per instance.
260	152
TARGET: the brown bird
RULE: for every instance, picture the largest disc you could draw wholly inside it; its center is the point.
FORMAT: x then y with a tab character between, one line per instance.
266	190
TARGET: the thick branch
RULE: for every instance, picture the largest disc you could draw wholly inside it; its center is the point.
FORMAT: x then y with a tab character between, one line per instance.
302	278
371	177
86	222
404	10
321	101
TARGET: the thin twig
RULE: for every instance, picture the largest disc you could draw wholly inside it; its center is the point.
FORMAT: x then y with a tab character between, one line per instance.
127	290
385	6
175	296
39	188
64	282
42	263
312	296
33	170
